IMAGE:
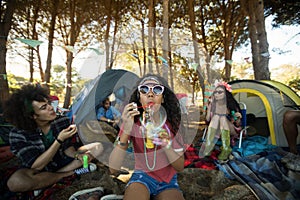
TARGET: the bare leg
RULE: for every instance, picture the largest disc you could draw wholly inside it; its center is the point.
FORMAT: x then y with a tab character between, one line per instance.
173	194
95	149
136	191
30	179
290	120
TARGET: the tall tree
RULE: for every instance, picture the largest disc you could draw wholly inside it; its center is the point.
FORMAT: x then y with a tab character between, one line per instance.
33	35
27	29
151	29
190	6
108	6
71	27
139	12
285	12
53	9
166	38
232	26
258	36
6	17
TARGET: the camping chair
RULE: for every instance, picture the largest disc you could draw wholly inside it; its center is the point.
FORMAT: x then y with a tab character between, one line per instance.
244	122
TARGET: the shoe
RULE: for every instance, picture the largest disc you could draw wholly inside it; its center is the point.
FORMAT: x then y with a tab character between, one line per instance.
112	197
96	192
92	167
37	192
226	149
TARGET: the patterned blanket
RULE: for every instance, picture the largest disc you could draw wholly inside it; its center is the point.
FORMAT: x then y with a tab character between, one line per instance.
265	175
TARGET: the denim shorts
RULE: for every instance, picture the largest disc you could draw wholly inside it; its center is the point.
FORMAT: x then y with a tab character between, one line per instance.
154	187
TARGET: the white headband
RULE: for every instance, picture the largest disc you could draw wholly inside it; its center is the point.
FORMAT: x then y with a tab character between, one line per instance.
152	78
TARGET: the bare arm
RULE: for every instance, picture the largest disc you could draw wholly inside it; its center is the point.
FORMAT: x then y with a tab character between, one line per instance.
208	111
119	152
176	159
48	155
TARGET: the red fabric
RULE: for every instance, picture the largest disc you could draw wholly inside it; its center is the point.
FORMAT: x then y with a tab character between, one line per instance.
181	95
63	183
192	159
190	156
53	97
5	154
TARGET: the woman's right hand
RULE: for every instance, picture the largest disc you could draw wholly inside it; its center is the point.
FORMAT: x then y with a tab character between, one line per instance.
67	132
130	110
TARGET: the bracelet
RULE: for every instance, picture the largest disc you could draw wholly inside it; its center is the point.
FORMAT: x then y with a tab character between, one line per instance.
123	144
168	146
108	120
76	156
59	141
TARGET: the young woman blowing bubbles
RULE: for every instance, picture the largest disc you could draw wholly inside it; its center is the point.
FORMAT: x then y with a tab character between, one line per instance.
158	145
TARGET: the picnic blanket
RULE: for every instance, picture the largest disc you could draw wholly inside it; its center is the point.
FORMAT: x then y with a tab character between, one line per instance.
265	174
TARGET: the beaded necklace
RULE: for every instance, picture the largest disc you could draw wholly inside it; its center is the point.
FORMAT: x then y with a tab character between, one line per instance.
144	142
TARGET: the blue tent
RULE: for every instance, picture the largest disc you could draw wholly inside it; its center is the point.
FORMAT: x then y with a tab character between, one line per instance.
118	82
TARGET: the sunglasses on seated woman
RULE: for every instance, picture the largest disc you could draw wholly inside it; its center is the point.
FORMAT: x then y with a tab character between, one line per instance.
156	89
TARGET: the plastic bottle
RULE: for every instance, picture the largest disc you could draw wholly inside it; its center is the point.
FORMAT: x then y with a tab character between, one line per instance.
149	128
85	161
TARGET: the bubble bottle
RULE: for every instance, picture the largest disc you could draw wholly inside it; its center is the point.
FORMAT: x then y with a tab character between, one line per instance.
85	161
149	126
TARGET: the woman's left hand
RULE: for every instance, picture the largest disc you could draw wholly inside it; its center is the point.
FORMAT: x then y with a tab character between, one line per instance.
238	115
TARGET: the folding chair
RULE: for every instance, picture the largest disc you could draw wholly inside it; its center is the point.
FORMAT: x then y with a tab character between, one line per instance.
244	122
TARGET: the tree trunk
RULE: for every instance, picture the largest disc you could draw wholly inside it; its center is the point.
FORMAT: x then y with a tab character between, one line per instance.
262	72
258	37
68	80
190	4
135	50
72	40
106	37
144	49
50	40
150	34
35	37
39	60
158	71
30	51
113	53
166	38
5	26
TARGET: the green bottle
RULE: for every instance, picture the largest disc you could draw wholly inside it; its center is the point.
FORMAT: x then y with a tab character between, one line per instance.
85	161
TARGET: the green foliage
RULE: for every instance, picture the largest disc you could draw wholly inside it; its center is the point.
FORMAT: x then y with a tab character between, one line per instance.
15	82
57	85
285	12
295	84
58	81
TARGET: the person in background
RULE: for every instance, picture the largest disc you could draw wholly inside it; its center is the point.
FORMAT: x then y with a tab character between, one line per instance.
158	144
42	141
108	113
291	120
224	118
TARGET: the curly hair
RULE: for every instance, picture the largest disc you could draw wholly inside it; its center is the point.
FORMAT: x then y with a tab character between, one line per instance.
170	104
18	108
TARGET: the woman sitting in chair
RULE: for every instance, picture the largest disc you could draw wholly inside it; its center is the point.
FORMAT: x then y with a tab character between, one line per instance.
224	117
